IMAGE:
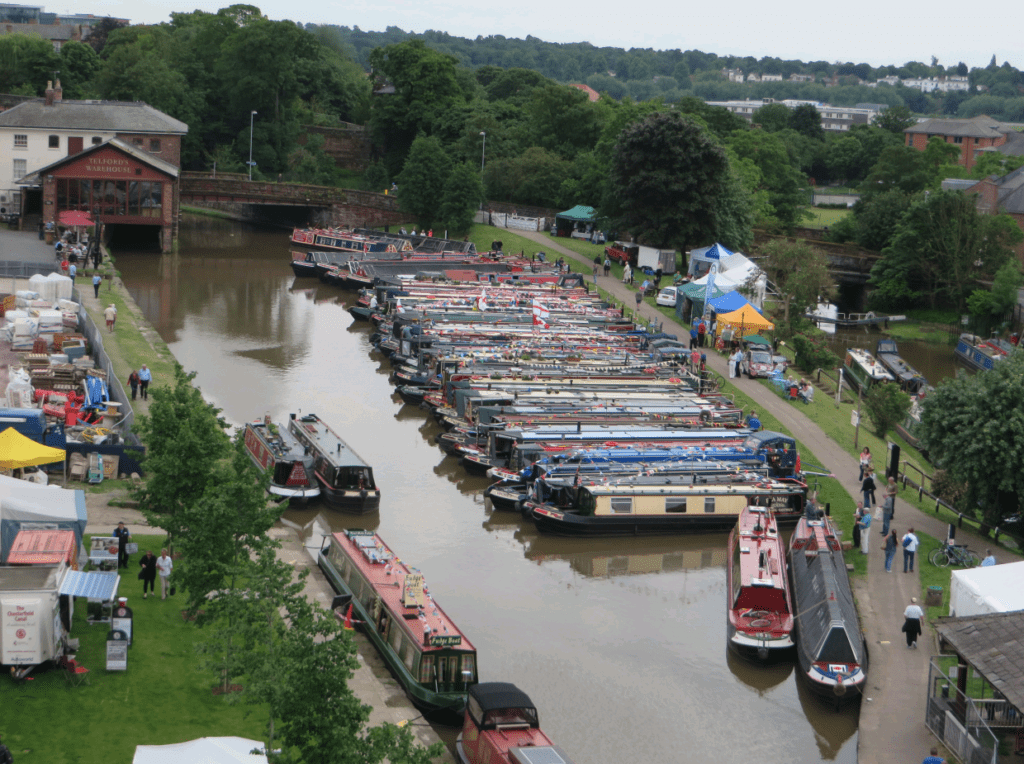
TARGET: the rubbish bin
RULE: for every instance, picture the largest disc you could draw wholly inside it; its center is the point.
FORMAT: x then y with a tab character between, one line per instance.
934	596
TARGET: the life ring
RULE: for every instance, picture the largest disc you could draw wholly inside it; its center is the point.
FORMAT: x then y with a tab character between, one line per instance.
756	614
760	623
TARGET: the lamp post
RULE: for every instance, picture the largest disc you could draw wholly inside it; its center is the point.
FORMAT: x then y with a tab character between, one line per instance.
483	159
252	116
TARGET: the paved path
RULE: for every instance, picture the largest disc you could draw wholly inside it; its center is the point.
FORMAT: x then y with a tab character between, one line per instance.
892	720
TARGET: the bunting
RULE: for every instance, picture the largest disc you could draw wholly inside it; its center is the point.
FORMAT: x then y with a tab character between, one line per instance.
541	315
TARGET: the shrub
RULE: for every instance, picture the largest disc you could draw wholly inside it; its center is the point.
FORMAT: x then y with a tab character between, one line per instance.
812	353
949	490
886	405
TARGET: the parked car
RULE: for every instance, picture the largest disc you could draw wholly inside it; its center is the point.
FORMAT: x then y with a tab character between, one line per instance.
758	361
668	296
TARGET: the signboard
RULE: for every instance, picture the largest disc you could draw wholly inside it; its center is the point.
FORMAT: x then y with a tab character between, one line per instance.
445	640
19	621
412	590
117	650
854	418
122	621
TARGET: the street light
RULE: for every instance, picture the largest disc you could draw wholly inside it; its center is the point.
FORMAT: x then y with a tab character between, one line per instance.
483	159
251	117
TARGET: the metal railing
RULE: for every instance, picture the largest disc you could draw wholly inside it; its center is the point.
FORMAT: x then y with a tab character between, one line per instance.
18	269
955	719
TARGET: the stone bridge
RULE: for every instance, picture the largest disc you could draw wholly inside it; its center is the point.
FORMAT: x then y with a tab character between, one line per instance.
325	205
848	263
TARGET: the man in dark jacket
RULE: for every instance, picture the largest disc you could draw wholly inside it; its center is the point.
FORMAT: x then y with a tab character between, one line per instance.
123	537
148	572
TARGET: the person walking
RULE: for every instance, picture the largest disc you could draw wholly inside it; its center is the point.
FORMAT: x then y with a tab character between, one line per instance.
702	330
595	273
891	489
96	280
913	616
734	364
607	266
856	524
110	314
148	573
72	270
164	565
145	377
867	488
627	275
133	381
865	462
910	544
934	758
639	297
123	536
865	529
890	550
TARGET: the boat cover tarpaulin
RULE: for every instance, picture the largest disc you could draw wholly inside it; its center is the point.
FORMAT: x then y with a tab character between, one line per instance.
41	547
29	506
994	589
205	750
92	584
580	213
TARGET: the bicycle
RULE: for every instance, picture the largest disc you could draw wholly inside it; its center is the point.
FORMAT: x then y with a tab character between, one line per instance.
954	554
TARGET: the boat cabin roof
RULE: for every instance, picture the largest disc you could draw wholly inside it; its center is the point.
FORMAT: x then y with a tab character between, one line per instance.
746	484
492	695
281	443
322	439
872	367
396	583
759	535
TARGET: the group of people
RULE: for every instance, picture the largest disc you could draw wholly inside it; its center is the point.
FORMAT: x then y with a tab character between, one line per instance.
139	381
153	566
701	329
862	518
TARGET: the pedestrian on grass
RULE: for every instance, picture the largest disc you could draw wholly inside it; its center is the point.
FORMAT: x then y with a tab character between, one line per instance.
890	550
96	285
133	381
145	377
910	544
865	529
867	488
148	573
123	536
891	489
164	565
627	275
934	758
639	297
913	616
865	462
110	314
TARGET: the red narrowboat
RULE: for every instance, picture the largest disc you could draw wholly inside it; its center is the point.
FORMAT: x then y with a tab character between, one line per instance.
760	604
290	464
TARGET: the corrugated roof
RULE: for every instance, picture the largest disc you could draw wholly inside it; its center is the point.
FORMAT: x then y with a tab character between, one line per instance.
101	586
120	116
993	644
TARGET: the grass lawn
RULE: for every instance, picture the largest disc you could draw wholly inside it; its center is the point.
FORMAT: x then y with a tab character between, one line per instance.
819	218
163	697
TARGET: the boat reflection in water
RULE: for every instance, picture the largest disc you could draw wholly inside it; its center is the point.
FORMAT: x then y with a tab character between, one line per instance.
834	728
761	677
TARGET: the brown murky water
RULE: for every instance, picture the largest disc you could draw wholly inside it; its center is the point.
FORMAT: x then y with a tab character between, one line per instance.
621	643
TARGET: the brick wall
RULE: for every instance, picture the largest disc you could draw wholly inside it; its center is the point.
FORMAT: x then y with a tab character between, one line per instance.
919	141
349	146
170	145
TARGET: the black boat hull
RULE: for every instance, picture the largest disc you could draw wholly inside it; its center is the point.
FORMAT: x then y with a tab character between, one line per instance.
569	524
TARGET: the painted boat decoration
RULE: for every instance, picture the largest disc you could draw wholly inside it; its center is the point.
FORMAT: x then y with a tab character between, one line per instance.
760	604
290	464
432	660
501	726
346	481
907	377
831	649
863	371
975	353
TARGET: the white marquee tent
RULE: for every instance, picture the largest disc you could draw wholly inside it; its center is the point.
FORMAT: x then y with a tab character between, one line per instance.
995	589
205	750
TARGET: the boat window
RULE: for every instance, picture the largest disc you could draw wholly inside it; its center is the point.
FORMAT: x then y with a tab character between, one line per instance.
737	576
468	668
426	669
622	505
709	505
675	505
586	503
396	639
354	479
410	654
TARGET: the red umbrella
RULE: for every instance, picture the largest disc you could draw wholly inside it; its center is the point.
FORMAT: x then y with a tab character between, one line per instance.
72	218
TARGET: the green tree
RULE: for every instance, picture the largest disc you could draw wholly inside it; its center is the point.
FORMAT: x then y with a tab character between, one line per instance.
375	177
460	197
971	426
799	273
806	120
669	175
185	440
781	179
878	217
79	65
562	120
996	302
887	406
26	64
772	117
895	119
424	173
991	163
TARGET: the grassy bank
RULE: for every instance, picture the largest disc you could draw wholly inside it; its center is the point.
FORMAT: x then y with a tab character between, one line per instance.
823	218
162	698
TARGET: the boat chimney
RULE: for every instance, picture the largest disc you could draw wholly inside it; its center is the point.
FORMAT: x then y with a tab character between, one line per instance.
828	509
292	416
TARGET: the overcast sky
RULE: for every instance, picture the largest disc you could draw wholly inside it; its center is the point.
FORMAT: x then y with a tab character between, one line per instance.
873	31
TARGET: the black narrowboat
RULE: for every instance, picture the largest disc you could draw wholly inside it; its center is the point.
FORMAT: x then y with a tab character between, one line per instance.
346	481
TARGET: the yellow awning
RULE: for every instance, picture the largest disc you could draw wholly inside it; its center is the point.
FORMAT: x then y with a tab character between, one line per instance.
18	451
745	318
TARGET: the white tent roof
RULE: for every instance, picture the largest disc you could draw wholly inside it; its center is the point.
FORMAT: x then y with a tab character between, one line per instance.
995	589
205	750
722	281
22	502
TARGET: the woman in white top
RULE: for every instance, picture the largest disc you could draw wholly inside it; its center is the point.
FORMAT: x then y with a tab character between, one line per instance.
164	565
865	461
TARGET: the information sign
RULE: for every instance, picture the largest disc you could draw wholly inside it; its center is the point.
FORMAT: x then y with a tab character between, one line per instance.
117	650
122	621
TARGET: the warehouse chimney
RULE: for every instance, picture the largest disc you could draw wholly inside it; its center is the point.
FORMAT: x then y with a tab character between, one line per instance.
49	93
58	93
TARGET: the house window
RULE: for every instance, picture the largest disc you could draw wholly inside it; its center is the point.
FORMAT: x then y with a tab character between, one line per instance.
154	145
54	141
21	141
958	139
20	168
96	140
976	140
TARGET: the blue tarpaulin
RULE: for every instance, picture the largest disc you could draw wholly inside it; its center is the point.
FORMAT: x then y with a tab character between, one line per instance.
728	302
95	393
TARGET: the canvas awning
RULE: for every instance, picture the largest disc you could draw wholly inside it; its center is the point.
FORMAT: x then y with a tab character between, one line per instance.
94	585
18	451
75	218
580	213
728	302
696	291
745	318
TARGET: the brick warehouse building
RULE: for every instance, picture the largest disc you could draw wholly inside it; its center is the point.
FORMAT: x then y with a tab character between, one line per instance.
970	135
117	160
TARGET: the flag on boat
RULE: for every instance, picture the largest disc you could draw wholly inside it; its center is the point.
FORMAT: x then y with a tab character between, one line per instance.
481	301
541	315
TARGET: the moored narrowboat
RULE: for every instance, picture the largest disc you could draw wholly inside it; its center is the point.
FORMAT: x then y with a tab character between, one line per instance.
432	660
501	726
830	645
974	353
863	371
760	605
346	481
290	464
907	377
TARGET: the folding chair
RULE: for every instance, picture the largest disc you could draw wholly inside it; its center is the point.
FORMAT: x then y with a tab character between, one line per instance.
75	673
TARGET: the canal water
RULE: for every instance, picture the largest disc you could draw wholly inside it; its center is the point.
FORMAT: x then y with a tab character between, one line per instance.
621	643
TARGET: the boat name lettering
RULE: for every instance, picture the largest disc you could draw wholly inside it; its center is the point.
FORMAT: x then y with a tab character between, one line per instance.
354	533
445	640
412	590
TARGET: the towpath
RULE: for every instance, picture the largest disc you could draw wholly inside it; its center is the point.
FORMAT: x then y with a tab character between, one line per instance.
892	718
